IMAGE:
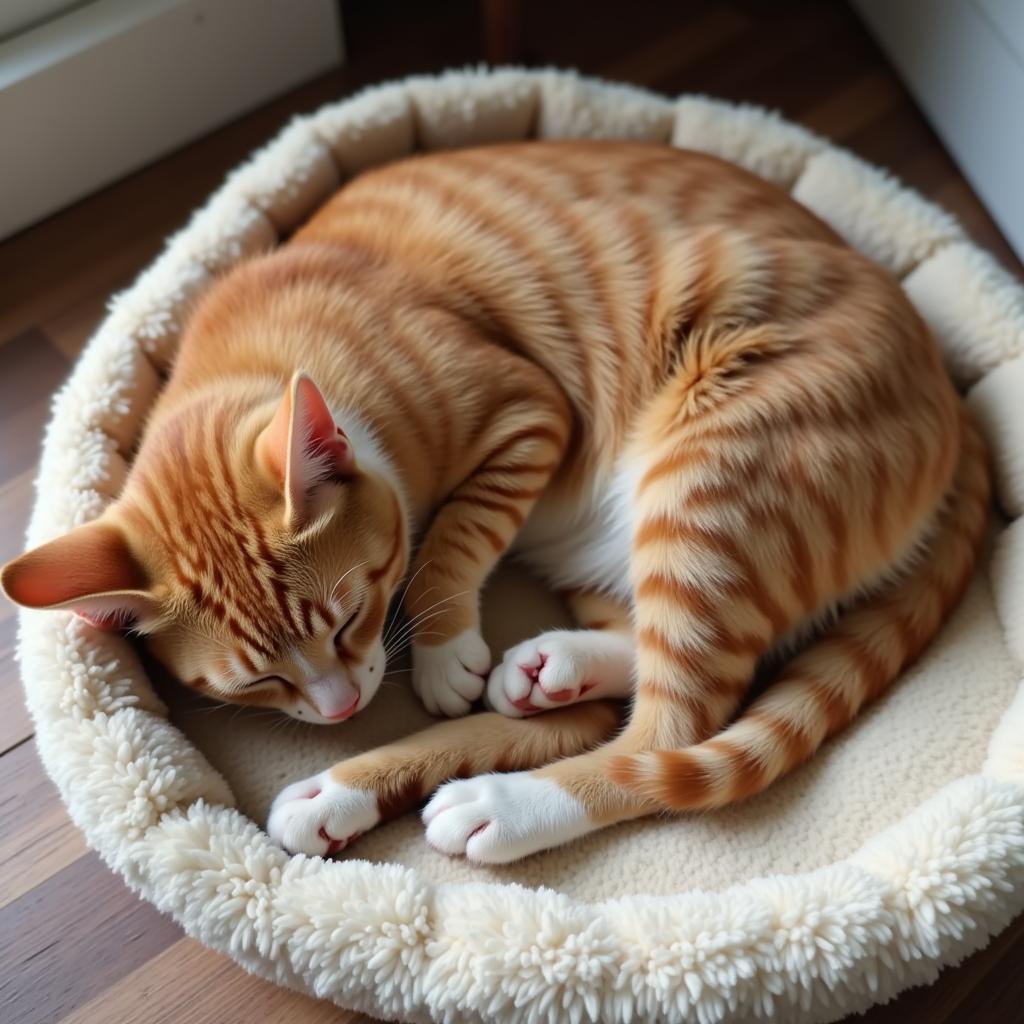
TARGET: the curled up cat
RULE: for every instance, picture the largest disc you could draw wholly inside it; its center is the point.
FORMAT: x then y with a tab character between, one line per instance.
658	381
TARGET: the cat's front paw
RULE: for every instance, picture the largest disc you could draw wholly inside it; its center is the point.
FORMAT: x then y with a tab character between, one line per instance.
447	678
559	668
320	816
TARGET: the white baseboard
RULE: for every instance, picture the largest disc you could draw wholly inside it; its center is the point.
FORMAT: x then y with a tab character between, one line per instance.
964	62
111	85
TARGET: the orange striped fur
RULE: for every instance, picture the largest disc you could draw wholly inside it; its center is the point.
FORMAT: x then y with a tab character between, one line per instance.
659	380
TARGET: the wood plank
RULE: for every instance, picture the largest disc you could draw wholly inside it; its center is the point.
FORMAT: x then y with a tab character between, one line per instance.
70	938
553	34
15	725
995	990
187	981
744	69
37	838
31	369
16	494
71	328
960	993
781	77
15	504
676	49
849	109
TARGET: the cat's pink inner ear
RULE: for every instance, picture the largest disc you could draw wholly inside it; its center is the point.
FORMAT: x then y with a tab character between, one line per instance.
90	571
303	445
316	436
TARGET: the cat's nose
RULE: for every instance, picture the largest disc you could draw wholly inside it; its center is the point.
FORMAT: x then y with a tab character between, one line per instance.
335	698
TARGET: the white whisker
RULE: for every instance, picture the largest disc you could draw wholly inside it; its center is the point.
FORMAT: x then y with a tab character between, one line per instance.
418	617
405	590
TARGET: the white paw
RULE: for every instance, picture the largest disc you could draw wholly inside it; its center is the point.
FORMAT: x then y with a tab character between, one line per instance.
319	816
494	819
559	668
449	677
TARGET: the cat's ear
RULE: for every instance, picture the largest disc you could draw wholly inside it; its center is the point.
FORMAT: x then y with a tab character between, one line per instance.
303	446
90	571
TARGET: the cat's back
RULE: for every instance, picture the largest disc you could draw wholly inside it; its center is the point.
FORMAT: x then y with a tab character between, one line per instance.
592	258
563	249
579	188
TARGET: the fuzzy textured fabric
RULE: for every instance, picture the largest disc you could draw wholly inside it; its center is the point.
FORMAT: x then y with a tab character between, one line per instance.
775	909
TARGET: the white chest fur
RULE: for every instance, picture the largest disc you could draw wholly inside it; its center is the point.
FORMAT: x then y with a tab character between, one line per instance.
583	542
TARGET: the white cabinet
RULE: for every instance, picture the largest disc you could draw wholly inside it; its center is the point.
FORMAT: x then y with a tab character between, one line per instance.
93	93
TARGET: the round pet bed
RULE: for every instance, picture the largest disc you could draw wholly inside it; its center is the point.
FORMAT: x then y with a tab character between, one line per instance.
896	851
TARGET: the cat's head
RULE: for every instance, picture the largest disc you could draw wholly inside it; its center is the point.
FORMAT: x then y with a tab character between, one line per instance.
255	549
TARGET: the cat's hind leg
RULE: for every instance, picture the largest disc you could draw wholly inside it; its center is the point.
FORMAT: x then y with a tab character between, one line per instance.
753	514
564	666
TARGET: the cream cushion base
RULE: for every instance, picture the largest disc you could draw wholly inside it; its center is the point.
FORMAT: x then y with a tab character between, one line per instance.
896	851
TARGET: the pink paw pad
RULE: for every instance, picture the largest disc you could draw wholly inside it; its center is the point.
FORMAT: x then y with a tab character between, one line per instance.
337	845
532	672
526	704
561	696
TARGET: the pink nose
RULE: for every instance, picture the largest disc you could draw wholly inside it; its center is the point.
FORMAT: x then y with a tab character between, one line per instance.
335	699
348	712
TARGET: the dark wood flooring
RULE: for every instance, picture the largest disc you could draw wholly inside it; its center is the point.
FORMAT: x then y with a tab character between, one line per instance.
75	945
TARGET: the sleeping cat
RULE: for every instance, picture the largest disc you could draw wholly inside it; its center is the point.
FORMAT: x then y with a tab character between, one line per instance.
660	382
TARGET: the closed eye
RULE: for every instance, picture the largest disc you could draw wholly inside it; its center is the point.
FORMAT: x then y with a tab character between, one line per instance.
265	681
345	625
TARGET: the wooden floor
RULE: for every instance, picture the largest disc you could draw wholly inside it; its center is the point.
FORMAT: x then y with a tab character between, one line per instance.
75	945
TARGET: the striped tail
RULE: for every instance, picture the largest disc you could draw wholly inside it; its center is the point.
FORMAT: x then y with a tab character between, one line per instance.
821	690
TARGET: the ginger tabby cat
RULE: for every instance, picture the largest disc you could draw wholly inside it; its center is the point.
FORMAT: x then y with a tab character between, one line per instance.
656	379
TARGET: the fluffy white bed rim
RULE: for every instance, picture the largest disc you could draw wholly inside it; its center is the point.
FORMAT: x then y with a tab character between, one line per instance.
921	894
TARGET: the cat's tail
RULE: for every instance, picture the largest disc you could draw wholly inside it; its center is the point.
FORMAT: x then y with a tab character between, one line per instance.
823	688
